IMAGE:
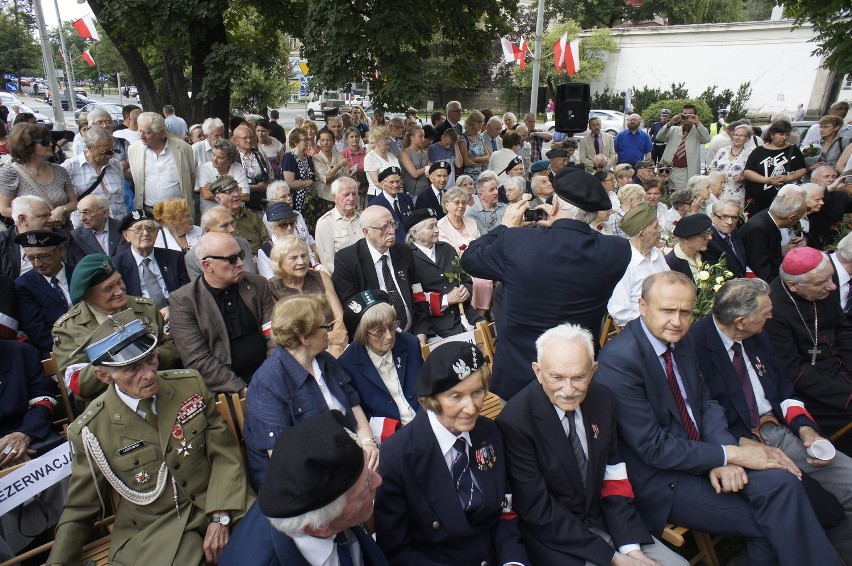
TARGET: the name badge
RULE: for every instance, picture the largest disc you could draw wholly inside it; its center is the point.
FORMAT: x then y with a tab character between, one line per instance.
131	447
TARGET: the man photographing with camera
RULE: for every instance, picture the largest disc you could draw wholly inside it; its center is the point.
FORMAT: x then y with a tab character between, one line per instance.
683	135
557	270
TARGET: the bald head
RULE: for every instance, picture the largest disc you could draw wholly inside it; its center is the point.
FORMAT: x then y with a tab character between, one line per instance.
377	224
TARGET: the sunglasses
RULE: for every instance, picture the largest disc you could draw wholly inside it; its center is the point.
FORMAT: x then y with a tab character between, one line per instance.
107	151
664	170
232	259
46	142
327	327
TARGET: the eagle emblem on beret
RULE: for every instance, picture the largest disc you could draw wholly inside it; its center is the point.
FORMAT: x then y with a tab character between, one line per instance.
32	239
354	307
462	369
135	215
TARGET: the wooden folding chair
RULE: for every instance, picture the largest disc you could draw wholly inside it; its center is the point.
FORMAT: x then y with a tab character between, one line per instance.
674	535
492	407
51	369
609	328
485	337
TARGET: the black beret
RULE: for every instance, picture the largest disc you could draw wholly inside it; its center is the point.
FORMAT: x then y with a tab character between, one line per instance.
581	189
447	365
692	225
357	306
388	171
223	183
132	218
441	165
280	211
312	464
555	153
92	270
40	239
417	216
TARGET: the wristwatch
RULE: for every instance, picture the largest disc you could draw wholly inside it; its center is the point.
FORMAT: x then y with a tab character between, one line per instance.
223	520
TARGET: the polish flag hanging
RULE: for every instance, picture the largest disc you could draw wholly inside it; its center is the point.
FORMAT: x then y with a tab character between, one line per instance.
87	57
567	55
85	26
514	53
559	52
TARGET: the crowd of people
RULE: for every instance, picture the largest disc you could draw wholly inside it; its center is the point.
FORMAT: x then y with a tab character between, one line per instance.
312	275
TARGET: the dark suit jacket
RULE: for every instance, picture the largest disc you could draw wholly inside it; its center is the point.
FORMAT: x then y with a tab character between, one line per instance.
40	307
21	380
677	264
442	127
10	254
354	272
652	439
375	398
548	494
427	199
718	372
200	333
256	542
568	267
718	246
435	284
406	205
825	220
171	265
419	520
83	242
762	243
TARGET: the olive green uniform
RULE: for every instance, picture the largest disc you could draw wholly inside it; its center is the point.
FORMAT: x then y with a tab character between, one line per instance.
249	226
74	328
210	476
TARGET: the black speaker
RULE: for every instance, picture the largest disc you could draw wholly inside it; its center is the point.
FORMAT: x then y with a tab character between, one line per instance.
573	102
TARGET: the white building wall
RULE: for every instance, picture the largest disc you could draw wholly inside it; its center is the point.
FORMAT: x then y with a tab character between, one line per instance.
772	55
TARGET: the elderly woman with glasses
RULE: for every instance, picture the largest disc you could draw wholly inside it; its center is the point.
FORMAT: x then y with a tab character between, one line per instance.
224	160
298	380
29	174
279	191
732	162
694	235
383	362
97	171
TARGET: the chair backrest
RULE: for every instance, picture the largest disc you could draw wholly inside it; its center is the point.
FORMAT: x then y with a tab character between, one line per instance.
51	370
609	329
482	335
232	409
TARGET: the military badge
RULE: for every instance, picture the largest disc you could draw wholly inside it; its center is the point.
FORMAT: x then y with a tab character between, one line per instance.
462	370
354	307
759	367
135	214
184	449
32	239
485	458
190	407
595	431
142	477
177	432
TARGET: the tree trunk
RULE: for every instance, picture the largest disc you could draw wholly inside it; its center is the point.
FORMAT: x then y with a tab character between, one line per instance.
218	106
174	85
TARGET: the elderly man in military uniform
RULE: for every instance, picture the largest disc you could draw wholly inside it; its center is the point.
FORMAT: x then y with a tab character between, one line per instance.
98	291
158	441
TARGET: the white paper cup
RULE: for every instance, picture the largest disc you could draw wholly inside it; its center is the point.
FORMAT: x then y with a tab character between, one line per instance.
822	449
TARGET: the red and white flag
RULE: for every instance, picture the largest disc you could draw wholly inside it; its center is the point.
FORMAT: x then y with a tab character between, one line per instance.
85	26
87	57
514	53
567	55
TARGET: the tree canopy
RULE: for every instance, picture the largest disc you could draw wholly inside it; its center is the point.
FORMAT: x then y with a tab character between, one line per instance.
832	21
20	54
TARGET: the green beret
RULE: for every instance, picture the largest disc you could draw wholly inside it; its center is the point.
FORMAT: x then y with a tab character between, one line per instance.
637	219
92	270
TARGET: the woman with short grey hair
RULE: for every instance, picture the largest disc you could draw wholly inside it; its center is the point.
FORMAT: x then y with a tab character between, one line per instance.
224	160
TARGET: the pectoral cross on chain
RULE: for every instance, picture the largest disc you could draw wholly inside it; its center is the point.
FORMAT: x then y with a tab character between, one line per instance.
813	352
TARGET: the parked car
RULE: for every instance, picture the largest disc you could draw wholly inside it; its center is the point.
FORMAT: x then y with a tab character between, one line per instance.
612	122
113	109
79	101
9	99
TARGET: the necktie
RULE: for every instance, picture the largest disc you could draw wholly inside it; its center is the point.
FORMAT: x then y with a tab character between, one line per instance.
458	128
147	407
493	144
847	308
597	144
155	293
576	446
344	553
54	282
745	383
730	242
680	153
688	425
469	495
396	209
393	292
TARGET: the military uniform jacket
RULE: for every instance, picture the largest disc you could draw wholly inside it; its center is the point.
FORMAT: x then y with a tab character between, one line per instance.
206	466
75	326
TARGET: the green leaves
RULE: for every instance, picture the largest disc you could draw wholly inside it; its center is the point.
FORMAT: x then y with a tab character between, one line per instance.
832	20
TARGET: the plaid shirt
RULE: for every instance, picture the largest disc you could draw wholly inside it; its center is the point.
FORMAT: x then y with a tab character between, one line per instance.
535	145
83	174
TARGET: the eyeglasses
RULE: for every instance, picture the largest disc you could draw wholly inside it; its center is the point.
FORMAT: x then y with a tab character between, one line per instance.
228	191
46	142
40	257
232	259
380	331
727	217
286	224
107	151
664	170
327	327
147	228
392	225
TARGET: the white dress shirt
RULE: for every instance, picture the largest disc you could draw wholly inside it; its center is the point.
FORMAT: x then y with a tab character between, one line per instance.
390	377
376	256
162	180
763	405
623	305
63	283
155	269
322	552
446	441
330	399
843	278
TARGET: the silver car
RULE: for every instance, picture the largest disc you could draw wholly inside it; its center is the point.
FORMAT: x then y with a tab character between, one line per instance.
9	99
113	109
612	122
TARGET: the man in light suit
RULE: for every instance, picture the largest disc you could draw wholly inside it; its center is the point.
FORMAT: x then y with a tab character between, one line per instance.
570	488
362	266
726	237
162	167
524	257
43	292
223	312
597	143
684	136
685	466
298	519
759	400
98	233
148	271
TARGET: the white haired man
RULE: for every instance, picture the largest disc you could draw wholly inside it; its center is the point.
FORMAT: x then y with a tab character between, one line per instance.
340	227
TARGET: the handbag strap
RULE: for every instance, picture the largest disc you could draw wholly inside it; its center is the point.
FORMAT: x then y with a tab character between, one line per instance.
26	177
94	185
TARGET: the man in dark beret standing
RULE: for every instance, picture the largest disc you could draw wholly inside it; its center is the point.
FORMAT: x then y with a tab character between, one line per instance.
558	271
312	503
